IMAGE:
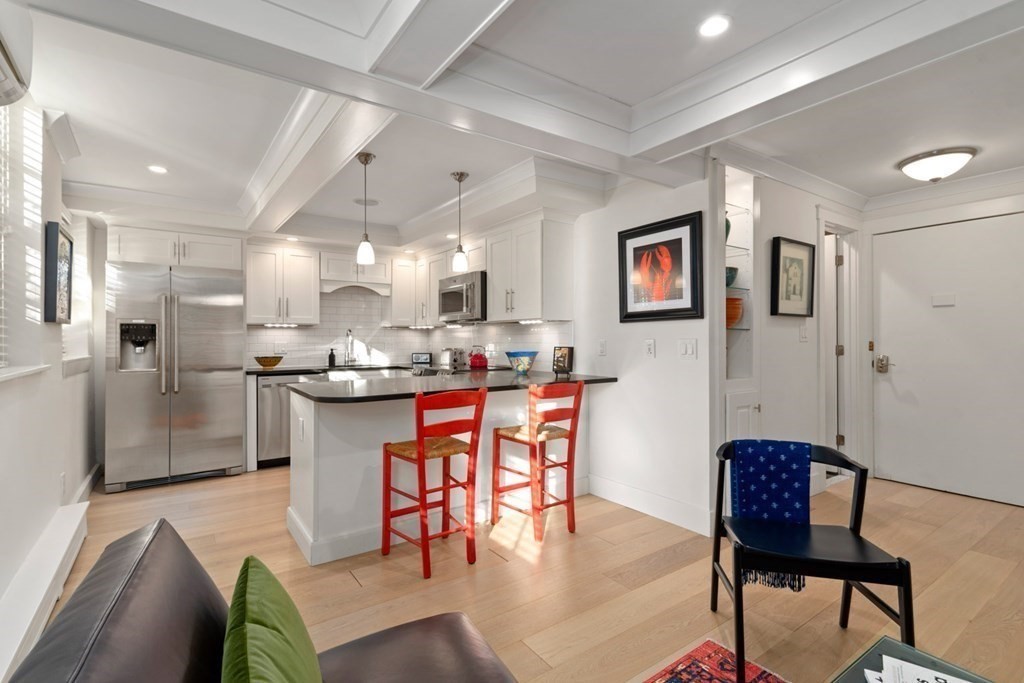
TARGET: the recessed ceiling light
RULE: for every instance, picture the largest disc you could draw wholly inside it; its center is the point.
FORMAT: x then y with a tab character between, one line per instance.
159	170
938	164
714	26
410	251
366	202
292	239
452	236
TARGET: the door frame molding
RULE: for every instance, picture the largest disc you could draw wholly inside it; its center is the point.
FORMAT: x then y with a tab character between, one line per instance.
849	228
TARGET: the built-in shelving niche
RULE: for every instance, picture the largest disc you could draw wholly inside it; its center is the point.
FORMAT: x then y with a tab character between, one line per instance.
739	253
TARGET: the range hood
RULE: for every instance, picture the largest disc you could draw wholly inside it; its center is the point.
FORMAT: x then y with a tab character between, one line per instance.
327	286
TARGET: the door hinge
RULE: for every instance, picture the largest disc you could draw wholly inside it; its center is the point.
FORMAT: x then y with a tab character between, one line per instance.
840	350
840	440
839	259
871	346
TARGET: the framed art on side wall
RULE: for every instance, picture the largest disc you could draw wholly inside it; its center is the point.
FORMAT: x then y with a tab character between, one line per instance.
59	258
792	278
660	270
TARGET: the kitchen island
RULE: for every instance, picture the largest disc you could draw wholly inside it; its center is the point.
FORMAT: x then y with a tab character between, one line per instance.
337	433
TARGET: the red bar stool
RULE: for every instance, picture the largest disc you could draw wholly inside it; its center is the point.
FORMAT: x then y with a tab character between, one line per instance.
536	434
436	441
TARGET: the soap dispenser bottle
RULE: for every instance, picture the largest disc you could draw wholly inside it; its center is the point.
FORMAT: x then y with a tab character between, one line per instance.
331	360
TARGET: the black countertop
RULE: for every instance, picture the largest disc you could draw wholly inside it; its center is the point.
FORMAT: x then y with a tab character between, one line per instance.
310	370
397	388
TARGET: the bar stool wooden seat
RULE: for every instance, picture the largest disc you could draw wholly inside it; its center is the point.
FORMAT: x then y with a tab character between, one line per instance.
432	442
536	434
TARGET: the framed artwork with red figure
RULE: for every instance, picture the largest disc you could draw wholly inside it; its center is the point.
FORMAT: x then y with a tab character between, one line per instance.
660	270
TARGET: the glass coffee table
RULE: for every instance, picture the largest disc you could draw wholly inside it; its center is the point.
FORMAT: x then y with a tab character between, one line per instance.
872	660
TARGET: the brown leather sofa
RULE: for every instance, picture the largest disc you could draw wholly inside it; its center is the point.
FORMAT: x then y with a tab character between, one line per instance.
148	611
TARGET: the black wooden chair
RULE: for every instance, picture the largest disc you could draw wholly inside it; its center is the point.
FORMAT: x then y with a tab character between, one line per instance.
825	551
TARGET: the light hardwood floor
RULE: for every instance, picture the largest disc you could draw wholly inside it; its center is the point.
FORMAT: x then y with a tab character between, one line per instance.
625	595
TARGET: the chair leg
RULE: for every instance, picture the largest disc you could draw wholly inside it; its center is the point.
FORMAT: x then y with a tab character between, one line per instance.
385	541
495	477
737	588
536	496
906	597
570	489
844	605
471	509
446	495
716	558
421	472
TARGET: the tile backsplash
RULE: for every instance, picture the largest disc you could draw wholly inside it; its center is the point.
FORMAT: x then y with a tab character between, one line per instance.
359	309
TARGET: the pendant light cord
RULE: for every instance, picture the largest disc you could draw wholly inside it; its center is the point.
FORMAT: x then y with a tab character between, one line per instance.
365	235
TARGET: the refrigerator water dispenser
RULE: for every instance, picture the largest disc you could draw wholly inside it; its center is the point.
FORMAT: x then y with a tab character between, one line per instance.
137	351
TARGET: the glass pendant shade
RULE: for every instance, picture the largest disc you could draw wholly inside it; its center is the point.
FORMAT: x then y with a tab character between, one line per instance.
460	262
934	166
364	254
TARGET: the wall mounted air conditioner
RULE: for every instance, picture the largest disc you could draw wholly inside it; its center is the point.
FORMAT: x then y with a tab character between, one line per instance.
15	52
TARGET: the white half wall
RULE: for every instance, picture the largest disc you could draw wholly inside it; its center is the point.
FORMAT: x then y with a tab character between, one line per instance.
650	443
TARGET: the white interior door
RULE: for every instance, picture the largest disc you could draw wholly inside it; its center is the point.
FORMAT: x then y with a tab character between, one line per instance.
949	315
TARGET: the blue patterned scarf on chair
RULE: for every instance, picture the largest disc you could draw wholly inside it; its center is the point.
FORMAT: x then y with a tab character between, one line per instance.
771	481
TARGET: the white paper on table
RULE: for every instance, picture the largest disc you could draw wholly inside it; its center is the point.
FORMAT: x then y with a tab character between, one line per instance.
897	671
873	676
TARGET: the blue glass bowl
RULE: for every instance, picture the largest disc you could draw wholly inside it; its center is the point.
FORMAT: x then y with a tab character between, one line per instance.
521	361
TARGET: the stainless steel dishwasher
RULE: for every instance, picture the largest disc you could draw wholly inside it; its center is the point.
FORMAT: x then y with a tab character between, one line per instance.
273	417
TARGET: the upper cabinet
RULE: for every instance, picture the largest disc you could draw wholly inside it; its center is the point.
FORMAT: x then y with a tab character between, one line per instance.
476	254
403	293
282	286
164	248
343	267
529	272
422	292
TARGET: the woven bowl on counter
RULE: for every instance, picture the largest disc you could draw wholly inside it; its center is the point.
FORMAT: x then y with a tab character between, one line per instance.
268	362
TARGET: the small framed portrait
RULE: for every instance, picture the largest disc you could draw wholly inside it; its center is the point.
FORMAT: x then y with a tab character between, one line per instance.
562	360
660	270
792	278
59	253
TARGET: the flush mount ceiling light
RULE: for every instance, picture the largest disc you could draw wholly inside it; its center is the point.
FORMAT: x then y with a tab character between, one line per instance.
460	262
938	164
364	254
159	170
714	25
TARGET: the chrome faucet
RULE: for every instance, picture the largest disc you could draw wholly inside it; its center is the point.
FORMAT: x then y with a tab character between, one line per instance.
350	356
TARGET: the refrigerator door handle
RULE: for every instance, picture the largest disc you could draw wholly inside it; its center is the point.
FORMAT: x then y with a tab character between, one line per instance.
177	300
163	342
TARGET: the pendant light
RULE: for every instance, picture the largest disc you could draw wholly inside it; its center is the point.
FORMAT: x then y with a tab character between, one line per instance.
364	254
460	262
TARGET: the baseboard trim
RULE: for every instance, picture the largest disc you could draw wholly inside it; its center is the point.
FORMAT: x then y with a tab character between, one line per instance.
29	599
689	516
87	485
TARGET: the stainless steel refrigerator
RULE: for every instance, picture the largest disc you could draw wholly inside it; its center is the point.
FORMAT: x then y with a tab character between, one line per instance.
174	379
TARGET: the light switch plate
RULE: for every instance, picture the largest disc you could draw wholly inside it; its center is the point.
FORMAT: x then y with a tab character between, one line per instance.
602	347
649	348
803	332
687	348
279	349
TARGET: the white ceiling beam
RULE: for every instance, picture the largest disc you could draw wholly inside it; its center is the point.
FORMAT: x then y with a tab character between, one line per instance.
437	33
556	137
917	35
346	132
348	232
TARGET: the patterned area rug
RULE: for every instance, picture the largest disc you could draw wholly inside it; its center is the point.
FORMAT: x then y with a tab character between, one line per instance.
710	663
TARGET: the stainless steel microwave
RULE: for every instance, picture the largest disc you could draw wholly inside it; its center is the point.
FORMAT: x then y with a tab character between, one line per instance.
463	298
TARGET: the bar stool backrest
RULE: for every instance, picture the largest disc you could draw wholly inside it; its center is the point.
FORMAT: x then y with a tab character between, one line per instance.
448	400
550	392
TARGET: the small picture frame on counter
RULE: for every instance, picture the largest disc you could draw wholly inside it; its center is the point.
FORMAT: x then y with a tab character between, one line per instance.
561	360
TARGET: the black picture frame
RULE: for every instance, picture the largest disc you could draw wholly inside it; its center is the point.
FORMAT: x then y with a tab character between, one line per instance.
58	264
562	360
792	259
647	290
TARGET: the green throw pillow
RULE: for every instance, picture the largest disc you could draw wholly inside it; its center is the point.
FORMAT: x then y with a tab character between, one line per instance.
266	641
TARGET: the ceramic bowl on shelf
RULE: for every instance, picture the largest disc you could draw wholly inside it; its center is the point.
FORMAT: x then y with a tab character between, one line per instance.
268	362
521	361
730	275
733	310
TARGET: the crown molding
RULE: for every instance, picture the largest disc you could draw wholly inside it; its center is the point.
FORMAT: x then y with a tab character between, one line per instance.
947	193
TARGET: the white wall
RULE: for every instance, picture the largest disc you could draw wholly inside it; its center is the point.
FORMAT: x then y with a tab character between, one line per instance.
650	433
44	418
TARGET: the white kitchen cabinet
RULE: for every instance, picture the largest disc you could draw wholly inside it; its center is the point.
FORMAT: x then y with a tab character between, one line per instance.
476	254
529	272
164	248
403	293
343	267
422	291
436	269
282	285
